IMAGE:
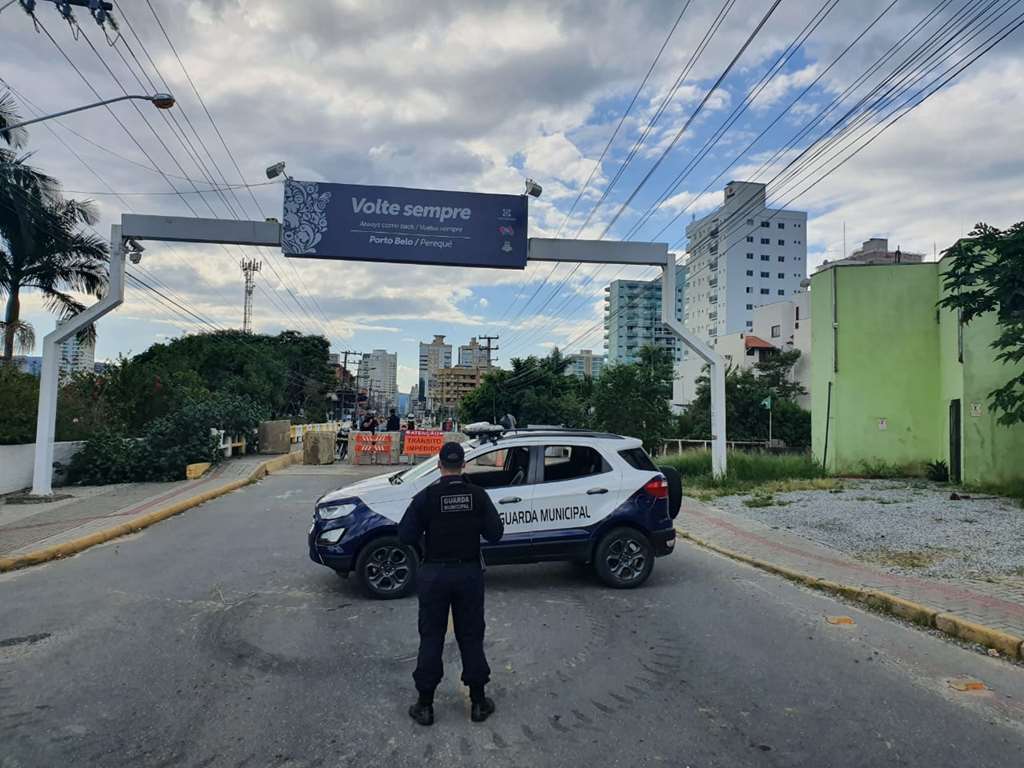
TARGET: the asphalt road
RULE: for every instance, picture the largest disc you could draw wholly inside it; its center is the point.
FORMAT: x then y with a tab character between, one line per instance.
211	640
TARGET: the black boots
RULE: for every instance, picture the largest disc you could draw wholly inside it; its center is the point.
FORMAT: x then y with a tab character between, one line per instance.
481	709
423	710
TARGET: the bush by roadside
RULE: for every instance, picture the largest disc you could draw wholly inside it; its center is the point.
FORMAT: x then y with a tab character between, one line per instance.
167	445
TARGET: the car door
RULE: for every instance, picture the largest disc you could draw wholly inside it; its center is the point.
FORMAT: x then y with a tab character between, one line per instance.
504	472
576	489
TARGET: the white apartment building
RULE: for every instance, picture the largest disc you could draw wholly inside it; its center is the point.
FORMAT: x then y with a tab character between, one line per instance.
742	255
433	357
76	356
378	375
473	355
781	325
585	364
632	317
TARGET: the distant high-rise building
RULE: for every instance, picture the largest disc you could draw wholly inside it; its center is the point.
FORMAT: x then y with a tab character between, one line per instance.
585	364
632	317
742	254
378	376
31	364
433	357
473	355
76	356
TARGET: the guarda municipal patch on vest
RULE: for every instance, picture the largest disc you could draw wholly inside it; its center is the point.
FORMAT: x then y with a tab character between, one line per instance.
457	502
547	515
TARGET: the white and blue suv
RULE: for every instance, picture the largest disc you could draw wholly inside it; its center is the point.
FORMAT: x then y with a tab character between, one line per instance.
580	496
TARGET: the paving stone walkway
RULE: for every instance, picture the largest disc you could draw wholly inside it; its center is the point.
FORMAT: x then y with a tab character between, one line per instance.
998	603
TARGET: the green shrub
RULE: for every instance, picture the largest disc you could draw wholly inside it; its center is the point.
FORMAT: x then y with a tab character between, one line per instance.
107	457
19	396
884	469
168	444
938	471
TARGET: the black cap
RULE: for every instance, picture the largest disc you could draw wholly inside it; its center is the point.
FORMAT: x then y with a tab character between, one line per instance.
452	454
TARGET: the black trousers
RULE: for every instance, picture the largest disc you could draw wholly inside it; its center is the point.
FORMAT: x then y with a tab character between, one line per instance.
459	588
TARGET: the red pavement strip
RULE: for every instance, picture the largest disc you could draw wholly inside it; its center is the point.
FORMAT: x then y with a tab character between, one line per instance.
132	510
947	591
145	520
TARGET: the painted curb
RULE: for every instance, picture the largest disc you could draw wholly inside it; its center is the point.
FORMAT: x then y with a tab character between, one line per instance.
949	623
82	543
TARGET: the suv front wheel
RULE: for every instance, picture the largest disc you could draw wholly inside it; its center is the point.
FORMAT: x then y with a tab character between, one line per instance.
624	558
387	568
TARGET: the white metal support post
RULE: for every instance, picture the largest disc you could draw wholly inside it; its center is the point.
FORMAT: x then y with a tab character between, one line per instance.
46	418
650	254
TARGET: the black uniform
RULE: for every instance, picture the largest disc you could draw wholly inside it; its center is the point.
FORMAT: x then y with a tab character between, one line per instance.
453	514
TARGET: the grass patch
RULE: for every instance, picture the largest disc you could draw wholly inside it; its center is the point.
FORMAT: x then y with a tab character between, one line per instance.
769	473
907	559
883	470
1013	490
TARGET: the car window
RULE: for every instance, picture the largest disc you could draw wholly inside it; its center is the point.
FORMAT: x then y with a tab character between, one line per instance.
568	462
500	468
637	458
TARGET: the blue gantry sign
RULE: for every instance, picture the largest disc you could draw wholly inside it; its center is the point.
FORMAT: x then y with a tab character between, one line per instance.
396	224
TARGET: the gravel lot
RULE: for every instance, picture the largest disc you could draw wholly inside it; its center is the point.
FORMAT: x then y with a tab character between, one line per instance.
910	526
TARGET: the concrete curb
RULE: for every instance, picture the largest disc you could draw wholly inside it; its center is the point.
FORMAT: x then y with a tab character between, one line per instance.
956	626
82	543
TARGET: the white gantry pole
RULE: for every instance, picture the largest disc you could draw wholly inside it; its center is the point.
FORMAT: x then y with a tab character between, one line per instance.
715	362
46	419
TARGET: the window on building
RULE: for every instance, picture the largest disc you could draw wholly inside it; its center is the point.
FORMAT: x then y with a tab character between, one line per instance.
782	292
776	331
750	221
750	238
782	275
750	324
765	257
750	255
765	291
782	225
782	259
797	313
766	274
765	224
766	241
749	289
782	242
750	306
750	273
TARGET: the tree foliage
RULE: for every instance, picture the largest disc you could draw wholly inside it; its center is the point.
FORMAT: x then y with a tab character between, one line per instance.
19	394
745	414
633	399
986	275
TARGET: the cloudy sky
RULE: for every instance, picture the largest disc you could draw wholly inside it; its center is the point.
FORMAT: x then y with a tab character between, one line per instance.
457	94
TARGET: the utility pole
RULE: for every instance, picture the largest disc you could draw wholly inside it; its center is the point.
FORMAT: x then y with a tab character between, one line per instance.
488	347
355	385
249	268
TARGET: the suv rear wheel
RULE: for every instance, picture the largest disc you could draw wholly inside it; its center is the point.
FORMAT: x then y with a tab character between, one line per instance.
624	558
387	568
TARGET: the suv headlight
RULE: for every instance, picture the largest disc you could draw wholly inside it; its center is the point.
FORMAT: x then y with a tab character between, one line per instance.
333	511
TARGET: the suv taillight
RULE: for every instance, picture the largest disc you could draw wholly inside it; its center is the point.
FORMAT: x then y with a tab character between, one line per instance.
657	487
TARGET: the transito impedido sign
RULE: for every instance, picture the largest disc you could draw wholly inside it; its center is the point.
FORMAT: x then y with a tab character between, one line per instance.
396	224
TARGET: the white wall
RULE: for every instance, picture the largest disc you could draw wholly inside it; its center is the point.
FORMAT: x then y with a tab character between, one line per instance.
16	463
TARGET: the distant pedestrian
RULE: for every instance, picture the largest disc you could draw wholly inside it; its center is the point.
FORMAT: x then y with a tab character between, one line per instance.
453	514
369	423
394	422
411	425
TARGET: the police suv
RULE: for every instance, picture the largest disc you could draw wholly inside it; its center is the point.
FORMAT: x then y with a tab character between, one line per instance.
587	497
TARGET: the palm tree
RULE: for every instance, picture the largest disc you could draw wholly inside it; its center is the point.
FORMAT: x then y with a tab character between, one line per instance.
42	246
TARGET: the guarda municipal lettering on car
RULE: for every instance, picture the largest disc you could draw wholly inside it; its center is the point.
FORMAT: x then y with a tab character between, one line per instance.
547	515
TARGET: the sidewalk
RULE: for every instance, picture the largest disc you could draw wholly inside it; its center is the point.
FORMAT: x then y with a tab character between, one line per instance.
33	533
991	606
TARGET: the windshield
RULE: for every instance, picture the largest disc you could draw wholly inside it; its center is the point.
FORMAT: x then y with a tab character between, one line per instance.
415	473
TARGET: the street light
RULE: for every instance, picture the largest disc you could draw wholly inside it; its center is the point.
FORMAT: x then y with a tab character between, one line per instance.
159	100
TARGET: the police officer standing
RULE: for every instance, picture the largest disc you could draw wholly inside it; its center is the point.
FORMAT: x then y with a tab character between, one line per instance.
453	514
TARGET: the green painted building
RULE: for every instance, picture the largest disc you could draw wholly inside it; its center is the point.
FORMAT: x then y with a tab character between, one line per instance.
895	379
